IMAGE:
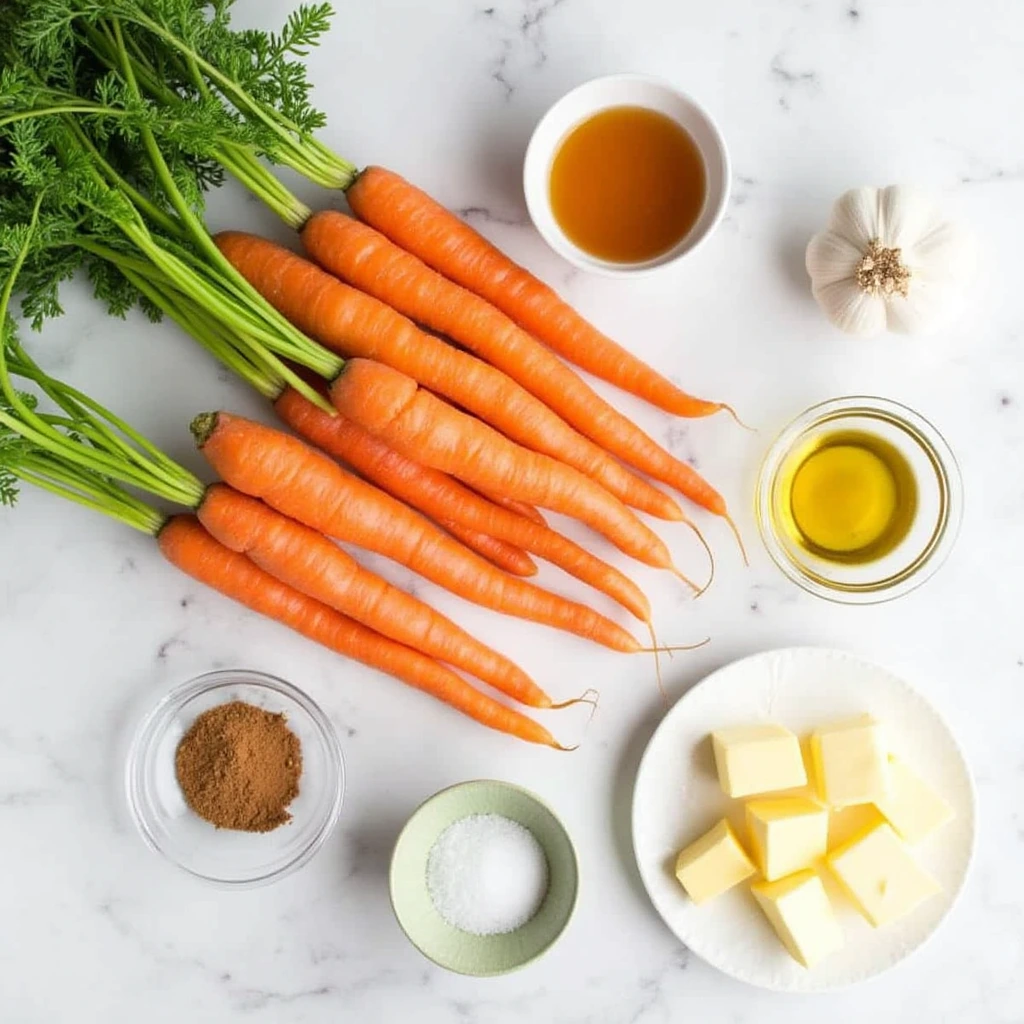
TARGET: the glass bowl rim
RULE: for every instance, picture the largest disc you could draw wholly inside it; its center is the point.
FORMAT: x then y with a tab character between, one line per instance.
155	721
928	439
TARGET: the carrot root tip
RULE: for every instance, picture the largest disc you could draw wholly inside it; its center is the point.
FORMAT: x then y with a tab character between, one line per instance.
722	407
739	539
689	647
657	661
669	648
711	557
593	711
693	586
589	696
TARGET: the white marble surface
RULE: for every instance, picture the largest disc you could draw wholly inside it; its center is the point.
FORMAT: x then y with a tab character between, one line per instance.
813	96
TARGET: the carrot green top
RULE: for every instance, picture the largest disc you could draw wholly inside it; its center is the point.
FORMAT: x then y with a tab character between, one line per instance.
80	451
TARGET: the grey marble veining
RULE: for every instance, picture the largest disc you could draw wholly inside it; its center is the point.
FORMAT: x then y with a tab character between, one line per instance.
813	97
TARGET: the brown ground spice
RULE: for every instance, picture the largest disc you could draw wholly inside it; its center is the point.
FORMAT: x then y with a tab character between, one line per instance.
239	767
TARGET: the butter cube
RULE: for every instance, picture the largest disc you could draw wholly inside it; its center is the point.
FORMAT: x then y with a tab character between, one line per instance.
911	806
880	874
757	759
799	910
787	834
850	762
712	864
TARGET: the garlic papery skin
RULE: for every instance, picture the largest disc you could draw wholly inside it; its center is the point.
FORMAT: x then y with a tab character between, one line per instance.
889	260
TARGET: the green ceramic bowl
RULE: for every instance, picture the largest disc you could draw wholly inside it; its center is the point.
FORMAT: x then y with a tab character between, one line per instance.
481	955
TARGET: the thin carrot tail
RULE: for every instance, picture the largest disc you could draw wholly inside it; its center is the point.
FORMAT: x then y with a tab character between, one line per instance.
711	557
739	538
685	579
657	662
590	696
735	416
584	699
669	648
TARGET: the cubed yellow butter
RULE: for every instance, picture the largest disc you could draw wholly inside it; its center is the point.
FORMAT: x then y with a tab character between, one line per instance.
757	759
850	762
712	864
881	876
787	834
844	823
799	910
911	806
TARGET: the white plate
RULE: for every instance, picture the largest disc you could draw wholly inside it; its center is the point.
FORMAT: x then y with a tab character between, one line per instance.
677	798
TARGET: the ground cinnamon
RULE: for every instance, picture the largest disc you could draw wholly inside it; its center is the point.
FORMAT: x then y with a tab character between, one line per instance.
239	767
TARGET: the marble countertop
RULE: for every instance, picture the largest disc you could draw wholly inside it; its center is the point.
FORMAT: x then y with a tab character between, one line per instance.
813	96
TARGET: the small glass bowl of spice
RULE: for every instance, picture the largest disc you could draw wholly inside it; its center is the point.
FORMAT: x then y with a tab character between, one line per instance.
237	777
859	500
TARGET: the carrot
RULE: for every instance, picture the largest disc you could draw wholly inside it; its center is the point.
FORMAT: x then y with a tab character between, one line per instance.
502	553
420	225
357	325
420	426
310	487
497	552
317	567
186	545
521	508
371	262
436	494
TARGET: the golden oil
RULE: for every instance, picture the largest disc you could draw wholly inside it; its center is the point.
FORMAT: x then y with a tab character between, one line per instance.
846	496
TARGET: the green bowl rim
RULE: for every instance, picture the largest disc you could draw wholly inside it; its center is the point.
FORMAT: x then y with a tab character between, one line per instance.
530	795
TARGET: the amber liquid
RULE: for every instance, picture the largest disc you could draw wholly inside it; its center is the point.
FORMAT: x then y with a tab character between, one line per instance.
627	184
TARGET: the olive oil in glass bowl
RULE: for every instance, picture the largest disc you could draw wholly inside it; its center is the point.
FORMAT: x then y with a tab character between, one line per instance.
859	500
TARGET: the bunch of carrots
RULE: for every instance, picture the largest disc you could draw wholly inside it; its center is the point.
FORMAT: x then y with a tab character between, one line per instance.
456	449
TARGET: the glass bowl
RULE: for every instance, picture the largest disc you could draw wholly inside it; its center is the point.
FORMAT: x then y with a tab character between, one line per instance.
936	522
224	857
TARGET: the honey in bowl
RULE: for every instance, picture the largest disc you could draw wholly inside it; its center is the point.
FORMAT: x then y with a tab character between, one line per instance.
848	497
627	184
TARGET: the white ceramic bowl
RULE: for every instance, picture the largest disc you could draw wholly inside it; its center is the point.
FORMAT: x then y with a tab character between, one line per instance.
623	91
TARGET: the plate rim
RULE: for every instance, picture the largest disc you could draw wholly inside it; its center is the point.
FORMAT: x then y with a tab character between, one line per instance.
799	650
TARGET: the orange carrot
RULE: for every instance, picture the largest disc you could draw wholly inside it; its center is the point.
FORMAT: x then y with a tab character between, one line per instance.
497	552
188	546
371	262
420	225
358	325
436	494
420	426
318	568
521	508
310	487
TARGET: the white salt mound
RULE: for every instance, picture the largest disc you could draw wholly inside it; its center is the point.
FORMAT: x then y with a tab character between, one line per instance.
487	874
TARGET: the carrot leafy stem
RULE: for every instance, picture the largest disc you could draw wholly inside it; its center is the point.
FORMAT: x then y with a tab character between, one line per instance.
84	452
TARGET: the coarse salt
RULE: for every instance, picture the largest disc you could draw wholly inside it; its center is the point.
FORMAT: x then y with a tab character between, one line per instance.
487	874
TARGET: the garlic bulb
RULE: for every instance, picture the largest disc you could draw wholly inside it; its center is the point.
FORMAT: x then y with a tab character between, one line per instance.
888	260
